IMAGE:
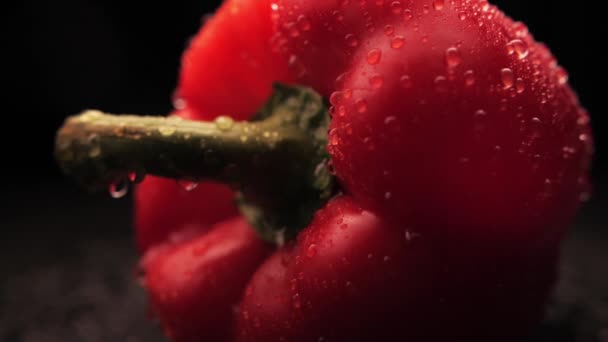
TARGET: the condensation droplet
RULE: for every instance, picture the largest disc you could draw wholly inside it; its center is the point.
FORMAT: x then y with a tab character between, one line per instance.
438	4
469	78
361	106
562	75
166	131
297	303
179	103
520	85
304	23
374	56
334	140
398	42
408	15
187	185
520	29
311	251
405	81
376	81
507	77
480	113
453	58
118	189
224	123
389	30
136	177
441	84
335	98
518	47
95	150
410	236
351	40
396	7
389	120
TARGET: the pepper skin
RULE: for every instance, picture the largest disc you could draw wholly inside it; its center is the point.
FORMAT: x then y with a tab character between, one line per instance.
461	151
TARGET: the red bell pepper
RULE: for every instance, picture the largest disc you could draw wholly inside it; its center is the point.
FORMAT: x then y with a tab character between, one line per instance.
460	152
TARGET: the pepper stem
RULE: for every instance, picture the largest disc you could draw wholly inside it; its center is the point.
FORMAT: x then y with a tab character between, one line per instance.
276	162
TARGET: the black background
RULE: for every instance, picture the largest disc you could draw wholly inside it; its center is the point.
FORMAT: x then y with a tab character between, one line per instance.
60	57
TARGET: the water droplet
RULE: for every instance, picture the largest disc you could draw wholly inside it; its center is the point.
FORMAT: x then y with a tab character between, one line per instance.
518	47
361	106
335	98
376	81
118	189
94	151
297	304
462	15
374	56
410	236
389	120
469	78
187	185
179	103
292	29
405	81
507	77
136	177
398	42
389	30
396	7
408	15
441	84
311	251
166	131
388	195
351	40
481	113
520	85
304	23
274	7
370	27
520	29
438	4
453	58
562	75
386	258
583	119
568	152
224	123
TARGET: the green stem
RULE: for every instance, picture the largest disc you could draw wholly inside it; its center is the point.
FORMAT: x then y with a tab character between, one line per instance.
276	162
